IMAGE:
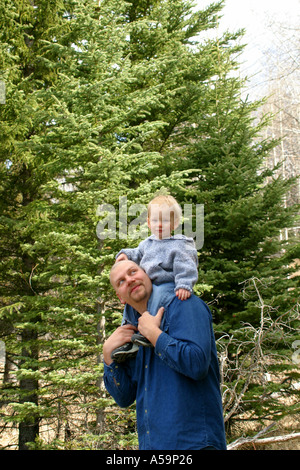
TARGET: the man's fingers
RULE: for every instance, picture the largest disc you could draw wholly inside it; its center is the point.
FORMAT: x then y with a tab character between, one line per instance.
126	331
128	326
160	312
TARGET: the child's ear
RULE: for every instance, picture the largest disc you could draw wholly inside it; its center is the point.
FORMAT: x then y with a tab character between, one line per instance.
148	223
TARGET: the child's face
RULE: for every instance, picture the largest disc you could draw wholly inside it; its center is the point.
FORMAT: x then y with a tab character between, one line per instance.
161	221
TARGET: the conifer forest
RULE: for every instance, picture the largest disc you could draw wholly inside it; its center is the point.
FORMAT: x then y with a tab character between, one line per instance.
105	103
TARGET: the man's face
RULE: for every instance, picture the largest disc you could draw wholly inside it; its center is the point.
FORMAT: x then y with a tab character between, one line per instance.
132	285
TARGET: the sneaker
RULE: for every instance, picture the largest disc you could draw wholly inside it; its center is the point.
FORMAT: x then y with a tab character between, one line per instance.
140	340
127	351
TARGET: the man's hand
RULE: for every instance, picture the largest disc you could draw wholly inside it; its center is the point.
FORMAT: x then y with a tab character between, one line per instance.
149	325
119	337
183	294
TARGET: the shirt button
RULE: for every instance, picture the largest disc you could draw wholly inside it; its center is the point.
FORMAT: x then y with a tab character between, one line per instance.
145	411
146	367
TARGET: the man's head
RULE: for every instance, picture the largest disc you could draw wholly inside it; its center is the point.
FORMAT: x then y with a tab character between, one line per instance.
131	283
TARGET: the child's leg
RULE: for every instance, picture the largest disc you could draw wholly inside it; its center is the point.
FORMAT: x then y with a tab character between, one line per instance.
159	294
140	340
127	351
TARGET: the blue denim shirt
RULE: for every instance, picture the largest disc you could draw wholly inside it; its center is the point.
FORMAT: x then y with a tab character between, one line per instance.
176	384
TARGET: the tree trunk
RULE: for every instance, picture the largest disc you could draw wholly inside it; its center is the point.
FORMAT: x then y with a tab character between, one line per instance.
29	427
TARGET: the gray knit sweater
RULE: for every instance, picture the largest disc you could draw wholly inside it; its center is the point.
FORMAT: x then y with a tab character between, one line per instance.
171	259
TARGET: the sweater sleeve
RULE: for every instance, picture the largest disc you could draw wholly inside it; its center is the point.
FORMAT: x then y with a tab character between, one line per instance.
186	266
134	254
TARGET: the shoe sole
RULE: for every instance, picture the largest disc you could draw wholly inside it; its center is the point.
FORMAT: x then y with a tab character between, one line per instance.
141	341
121	356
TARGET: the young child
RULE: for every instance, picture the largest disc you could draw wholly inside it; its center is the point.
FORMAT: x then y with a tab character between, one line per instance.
166	258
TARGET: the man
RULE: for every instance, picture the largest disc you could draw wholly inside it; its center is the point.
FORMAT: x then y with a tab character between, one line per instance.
176	382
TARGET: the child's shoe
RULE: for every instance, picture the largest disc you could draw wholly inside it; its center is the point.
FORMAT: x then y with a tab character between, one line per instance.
127	351
140	340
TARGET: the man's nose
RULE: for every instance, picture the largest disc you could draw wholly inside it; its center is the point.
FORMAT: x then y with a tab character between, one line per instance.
129	279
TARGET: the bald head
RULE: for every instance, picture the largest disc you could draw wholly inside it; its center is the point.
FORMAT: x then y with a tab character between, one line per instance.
117	266
132	285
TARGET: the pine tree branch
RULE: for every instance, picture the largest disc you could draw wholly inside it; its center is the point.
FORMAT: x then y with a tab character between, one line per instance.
264	441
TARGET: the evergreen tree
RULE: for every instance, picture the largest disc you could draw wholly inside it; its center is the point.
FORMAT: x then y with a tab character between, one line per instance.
69	145
244	208
54	122
210	129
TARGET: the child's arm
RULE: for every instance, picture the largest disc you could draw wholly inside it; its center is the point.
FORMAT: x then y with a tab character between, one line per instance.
133	254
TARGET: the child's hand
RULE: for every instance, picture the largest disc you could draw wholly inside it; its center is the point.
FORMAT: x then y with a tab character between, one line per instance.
183	294
121	257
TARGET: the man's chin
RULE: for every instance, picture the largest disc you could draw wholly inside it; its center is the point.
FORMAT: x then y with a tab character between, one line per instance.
138	293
